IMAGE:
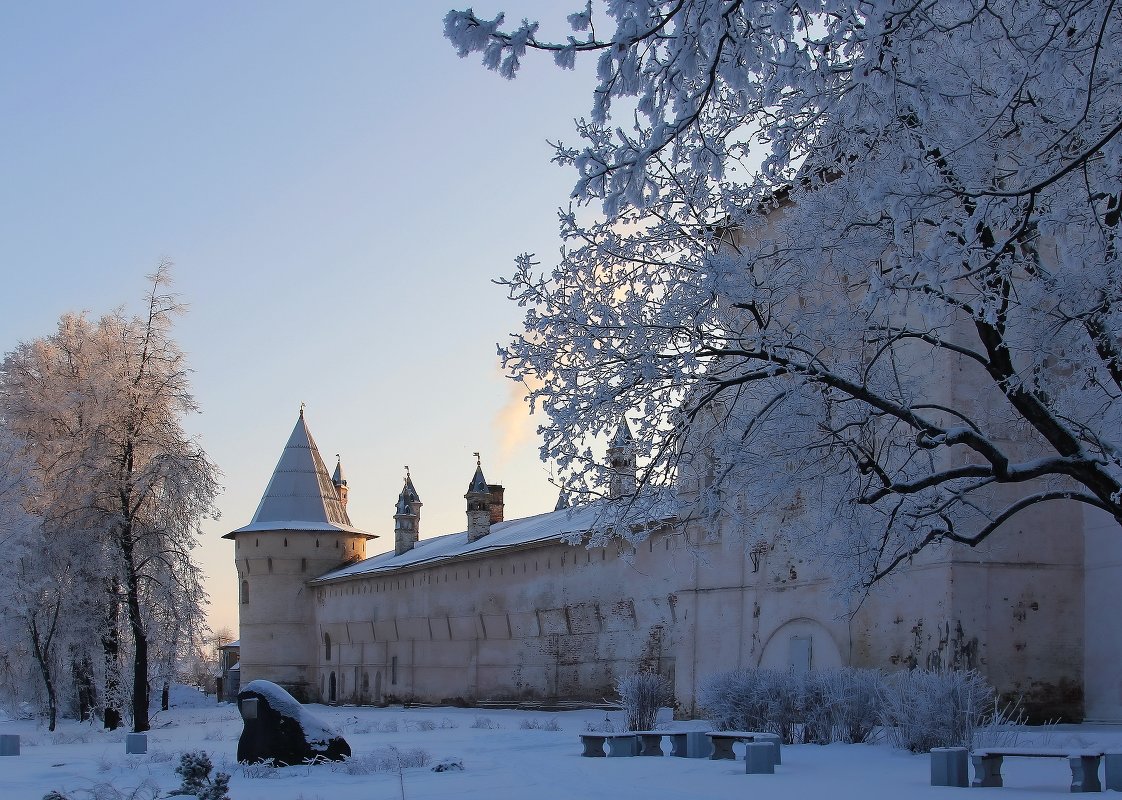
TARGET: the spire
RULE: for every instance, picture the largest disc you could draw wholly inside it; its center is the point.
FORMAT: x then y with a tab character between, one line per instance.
339	481
407	517
478	482
562	501
621	462
623	437
478	504
408	493
300	495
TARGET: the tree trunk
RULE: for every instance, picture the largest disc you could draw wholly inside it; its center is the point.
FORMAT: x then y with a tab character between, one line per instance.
111	647
140	688
43	659
84	685
165	697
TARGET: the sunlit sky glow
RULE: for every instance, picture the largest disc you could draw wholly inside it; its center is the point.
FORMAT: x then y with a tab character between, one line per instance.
336	189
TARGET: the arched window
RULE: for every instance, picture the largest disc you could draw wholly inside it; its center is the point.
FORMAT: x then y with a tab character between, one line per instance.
245	593
327	646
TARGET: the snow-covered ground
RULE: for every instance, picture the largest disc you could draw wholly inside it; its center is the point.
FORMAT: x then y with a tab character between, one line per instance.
502	761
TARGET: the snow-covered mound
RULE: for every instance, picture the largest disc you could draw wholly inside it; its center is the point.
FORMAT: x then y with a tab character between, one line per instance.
183	696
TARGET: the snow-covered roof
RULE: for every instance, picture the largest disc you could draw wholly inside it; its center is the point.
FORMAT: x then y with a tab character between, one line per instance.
231	645
300	495
539	529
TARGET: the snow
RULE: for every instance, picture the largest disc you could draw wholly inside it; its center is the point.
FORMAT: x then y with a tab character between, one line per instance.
552	526
505	761
317	732
180	696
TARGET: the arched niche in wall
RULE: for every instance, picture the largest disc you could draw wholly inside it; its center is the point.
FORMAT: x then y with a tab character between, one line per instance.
801	644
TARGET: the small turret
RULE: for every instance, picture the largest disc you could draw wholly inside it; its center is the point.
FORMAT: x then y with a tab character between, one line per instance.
339	481
480	509
562	501
407	517
621	462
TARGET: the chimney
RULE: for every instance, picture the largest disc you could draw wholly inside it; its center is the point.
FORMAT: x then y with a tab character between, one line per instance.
496	502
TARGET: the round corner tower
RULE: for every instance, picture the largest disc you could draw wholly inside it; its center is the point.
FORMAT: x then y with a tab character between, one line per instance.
300	531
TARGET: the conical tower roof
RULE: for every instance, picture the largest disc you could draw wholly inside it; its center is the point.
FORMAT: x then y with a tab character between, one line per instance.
300	495
478	482
623	436
407	497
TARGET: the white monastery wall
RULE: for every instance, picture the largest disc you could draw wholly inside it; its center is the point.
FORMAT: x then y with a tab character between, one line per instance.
529	617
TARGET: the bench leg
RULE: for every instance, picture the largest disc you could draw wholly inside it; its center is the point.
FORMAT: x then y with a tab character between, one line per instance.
722	750
678	746
593	746
651	745
987	770
1085	773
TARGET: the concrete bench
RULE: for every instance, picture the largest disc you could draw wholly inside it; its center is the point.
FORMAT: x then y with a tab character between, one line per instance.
724	740
619	744
9	744
650	743
1084	765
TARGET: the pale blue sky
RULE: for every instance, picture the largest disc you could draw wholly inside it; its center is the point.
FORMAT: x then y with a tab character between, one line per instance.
336	189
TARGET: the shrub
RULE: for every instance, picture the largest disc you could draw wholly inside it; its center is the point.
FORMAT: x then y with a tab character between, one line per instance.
539	725
194	768
641	696
921	709
147	790
822	707
384	759
484	723
853	695
738	700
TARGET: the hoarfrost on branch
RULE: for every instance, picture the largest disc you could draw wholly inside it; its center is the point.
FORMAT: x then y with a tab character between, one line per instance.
857	272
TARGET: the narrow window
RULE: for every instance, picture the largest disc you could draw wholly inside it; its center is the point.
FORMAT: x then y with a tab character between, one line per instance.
303	565
393	671
245	593
270	560
327	646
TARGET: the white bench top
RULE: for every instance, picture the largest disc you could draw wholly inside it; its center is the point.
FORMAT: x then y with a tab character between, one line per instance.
739	734
1034	752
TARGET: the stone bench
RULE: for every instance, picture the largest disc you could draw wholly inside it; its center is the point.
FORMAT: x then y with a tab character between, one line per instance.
1084	765
9	744
619	744
724	740
650	743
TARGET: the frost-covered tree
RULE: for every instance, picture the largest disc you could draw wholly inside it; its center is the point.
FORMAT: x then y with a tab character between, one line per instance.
863	256
99	406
